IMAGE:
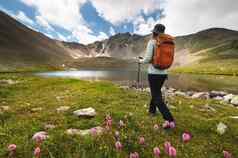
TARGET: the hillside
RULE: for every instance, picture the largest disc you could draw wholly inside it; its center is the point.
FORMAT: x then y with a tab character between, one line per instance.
23	48
212	51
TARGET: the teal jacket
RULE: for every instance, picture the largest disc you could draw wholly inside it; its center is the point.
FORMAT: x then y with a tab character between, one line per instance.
148	58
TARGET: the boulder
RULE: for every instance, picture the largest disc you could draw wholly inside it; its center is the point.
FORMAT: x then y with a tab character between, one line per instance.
218	98
5	108
94	130
214	94
49	126
88	112
202	95
189	93
228	97
234	100
62	109
9	81
36	109
179	93
234	117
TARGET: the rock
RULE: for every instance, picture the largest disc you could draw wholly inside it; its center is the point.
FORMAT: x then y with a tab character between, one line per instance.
62	109
9	81
234	117
221	128
189	93
49	126
96	130
147	90
5	108
227	98
36	109
202	95
179	93
214	94
218	98
171	90
125	87
89	112
234	100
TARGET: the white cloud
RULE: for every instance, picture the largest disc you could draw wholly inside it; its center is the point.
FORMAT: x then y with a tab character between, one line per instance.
183	17
41	21
61	37
116	11
86	36
112	31
144	27
21	16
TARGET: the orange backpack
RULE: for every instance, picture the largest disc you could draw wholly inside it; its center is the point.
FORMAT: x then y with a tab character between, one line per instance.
164	52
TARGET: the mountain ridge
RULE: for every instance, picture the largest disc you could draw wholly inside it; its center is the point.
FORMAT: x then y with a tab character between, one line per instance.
23	47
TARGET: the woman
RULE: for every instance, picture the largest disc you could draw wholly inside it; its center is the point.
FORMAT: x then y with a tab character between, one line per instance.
157	77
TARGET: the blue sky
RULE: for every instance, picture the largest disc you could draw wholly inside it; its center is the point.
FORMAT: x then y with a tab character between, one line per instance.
86	21
90	21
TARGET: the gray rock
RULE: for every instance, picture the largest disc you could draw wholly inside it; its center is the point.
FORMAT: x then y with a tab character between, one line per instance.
227	98
89	112
189	93
234	100
202	95
218	98
98	130
214	94
49	126
125	87
9	81
234	117
62	109
36	109
179	93
5	108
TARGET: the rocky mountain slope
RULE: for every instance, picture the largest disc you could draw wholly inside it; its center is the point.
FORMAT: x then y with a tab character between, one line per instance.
22	47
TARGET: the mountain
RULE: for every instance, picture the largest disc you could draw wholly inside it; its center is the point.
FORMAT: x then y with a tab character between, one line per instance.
24	48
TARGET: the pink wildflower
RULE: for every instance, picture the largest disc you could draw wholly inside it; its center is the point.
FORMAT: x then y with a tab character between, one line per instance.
227	154
134	155
186	137
172	152
39	136
93	131
37	152
142	140
167	145
12	147
156	152
118	145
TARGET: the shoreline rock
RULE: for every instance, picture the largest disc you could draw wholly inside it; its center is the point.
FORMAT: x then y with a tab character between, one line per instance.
215	95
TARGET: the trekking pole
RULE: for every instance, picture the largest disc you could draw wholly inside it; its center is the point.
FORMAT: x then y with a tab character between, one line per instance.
138	73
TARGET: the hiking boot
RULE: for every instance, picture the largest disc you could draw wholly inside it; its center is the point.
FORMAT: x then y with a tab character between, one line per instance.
169	125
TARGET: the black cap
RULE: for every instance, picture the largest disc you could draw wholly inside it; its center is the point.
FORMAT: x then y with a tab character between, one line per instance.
159	28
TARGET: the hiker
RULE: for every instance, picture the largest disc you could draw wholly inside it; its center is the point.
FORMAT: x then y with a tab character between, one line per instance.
157	74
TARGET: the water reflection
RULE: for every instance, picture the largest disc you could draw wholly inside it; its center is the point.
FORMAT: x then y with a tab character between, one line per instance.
180	81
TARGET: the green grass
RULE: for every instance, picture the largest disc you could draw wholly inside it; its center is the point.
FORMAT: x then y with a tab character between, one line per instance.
216	67
19	123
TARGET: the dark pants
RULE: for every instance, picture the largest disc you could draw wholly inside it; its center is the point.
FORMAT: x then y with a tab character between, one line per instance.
156	82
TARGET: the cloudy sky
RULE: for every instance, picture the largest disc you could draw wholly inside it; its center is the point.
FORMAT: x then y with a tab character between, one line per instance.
86	21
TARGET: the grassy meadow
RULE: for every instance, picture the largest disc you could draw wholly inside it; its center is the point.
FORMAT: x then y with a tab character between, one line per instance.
33	102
